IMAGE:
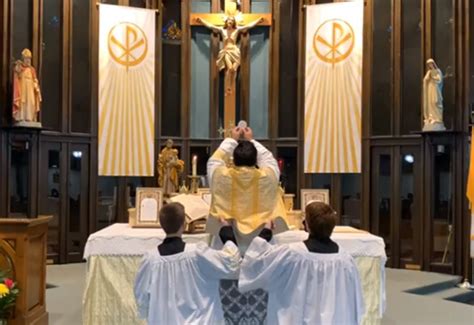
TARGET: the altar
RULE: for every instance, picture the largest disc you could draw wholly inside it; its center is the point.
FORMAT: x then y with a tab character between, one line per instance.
113	256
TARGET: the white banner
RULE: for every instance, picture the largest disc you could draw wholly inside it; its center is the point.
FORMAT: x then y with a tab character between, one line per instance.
126	91
333	88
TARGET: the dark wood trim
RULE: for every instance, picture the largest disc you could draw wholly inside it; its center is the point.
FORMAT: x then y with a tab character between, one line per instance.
64	199
395	206
366	113
69	41
158	4
245	68
301	182
397	64
274	73
466	42
93	148
185	73
65	73
458	64
214	77
427	30
336	194
35	34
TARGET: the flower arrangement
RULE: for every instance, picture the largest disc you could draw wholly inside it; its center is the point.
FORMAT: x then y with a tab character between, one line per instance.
8	293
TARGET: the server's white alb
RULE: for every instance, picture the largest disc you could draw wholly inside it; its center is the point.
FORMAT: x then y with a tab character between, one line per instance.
184	288
303	287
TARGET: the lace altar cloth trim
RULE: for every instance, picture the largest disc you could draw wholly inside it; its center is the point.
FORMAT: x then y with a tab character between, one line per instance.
121	239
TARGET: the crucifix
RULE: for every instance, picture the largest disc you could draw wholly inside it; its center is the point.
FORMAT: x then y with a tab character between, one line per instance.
229	25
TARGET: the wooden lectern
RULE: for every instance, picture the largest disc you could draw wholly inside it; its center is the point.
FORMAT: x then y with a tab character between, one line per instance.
23	245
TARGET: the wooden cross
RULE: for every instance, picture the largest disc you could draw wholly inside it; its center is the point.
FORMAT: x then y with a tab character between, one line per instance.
218	20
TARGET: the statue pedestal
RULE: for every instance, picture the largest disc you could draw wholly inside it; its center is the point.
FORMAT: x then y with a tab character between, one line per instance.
26	124
434	127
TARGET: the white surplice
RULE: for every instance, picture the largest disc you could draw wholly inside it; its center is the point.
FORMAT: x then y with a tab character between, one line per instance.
303	287
184	288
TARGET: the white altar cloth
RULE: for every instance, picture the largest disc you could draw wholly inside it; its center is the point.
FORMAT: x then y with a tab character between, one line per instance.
120	239
114	253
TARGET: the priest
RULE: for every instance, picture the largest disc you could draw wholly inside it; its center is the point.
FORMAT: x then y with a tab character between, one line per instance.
244	182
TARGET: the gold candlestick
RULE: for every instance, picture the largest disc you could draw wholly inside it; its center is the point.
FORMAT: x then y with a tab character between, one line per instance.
194	183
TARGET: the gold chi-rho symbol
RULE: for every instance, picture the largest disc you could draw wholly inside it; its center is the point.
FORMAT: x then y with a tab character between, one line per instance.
333	41
127	44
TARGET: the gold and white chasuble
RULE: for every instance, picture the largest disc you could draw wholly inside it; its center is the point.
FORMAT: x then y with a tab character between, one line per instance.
248	196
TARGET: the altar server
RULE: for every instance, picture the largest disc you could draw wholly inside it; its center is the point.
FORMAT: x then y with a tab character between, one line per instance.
310	282
178	283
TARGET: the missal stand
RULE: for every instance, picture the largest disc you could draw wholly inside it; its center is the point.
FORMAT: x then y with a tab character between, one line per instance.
23	246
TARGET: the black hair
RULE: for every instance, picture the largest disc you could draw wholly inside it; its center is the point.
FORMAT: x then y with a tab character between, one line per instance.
245	154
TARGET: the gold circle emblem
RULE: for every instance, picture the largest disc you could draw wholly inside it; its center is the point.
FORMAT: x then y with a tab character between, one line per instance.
127	44
333	41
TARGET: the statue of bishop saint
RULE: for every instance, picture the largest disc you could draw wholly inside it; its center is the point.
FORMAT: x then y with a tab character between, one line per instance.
26	92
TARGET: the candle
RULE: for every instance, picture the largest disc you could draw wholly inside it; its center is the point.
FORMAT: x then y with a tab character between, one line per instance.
195	161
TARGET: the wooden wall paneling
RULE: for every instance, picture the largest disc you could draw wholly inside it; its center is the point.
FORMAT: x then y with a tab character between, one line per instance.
64	199
467	270
4	59
396	206
335	195
94	59
3	174
7	169
245	67
468	60
427	30
35	164
274	71
422	204
36	37
366	113
93	154
301	181
68	83
39	69
65	75
214	78
459	217
185	76
428	205
158	5
467	7
397	64
459	65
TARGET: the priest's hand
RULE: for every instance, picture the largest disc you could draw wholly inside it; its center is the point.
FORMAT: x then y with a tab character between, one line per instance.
236	133
248	133
269	225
